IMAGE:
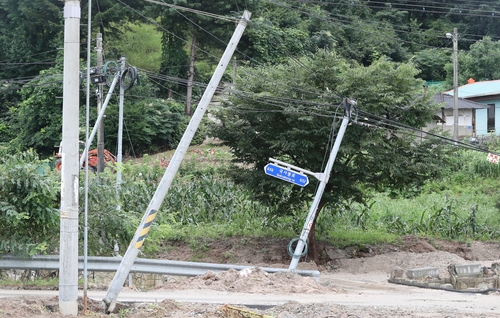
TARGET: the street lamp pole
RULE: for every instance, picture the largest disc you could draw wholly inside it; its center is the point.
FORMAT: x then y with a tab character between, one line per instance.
454	37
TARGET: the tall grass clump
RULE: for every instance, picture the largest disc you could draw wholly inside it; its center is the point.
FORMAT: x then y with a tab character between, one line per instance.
475	164
114	214
199	203
463	204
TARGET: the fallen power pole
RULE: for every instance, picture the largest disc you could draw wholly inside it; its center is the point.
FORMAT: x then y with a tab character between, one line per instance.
152	210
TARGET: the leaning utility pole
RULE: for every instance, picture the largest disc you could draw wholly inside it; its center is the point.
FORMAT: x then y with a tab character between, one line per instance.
299	249
152	210
100	130
68	264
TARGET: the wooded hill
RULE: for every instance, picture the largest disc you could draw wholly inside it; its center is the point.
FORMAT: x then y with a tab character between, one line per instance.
158	40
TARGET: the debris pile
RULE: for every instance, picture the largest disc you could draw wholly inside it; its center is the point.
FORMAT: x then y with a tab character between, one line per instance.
466	278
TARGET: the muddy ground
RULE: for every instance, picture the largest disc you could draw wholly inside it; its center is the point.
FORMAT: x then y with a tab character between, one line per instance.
344	273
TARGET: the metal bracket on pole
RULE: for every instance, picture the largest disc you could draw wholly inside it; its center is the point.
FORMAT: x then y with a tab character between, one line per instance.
99	118
321	188
162	189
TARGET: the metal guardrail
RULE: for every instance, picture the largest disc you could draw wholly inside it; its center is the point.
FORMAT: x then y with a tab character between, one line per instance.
141	265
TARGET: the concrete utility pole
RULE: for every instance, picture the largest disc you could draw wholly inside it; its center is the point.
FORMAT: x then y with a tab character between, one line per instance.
151	211
100	130
189	92
454	37
235	65
120	125
68	267
321	188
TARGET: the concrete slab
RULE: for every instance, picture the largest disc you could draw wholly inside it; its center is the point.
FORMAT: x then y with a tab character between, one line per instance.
469	270
418	273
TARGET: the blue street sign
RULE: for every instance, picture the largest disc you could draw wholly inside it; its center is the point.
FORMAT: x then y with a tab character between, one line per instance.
286	174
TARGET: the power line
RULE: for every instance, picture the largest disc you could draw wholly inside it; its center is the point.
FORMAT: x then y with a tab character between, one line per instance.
423	10
208	14
162	28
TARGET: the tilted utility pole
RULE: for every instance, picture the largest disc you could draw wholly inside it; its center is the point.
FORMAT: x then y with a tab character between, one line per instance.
100	130
68	264
152	210
321	188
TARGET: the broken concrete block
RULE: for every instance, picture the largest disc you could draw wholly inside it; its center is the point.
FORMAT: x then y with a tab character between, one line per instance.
418	273
469	270
397	272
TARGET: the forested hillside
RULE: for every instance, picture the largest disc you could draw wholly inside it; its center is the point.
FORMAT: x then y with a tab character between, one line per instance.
158	40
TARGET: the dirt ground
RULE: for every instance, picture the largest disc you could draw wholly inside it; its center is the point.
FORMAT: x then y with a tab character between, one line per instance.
344	273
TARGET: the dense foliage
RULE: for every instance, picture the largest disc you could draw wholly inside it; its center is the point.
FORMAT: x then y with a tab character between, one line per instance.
29	200
297	99
30	36
201	203
295	63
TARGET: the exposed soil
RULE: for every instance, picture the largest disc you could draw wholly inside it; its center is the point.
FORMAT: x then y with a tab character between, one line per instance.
338	265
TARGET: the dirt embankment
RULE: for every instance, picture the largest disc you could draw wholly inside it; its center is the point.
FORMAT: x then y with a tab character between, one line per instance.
353	284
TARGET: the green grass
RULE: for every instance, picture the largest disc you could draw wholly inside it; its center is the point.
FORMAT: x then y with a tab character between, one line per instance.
36	283
345	237
203	204
464	205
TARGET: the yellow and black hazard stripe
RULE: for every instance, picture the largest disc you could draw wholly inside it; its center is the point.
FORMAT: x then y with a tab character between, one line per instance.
145	228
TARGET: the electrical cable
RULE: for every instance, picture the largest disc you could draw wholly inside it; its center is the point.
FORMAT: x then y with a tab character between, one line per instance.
208	14
162	28
410	128
129	139
425	6
343	23
423	10
290	250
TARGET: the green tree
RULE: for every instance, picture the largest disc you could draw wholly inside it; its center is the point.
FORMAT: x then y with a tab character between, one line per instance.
29	200
431	63
203	32
481	63
29	36
37	120
151	125
286	112
174	62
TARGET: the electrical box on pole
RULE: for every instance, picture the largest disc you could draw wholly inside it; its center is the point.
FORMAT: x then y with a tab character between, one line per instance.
162	189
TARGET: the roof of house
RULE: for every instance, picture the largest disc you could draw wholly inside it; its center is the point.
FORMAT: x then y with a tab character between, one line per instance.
478	89
449	101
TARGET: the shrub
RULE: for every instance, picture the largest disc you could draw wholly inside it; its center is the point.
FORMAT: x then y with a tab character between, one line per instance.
29	201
